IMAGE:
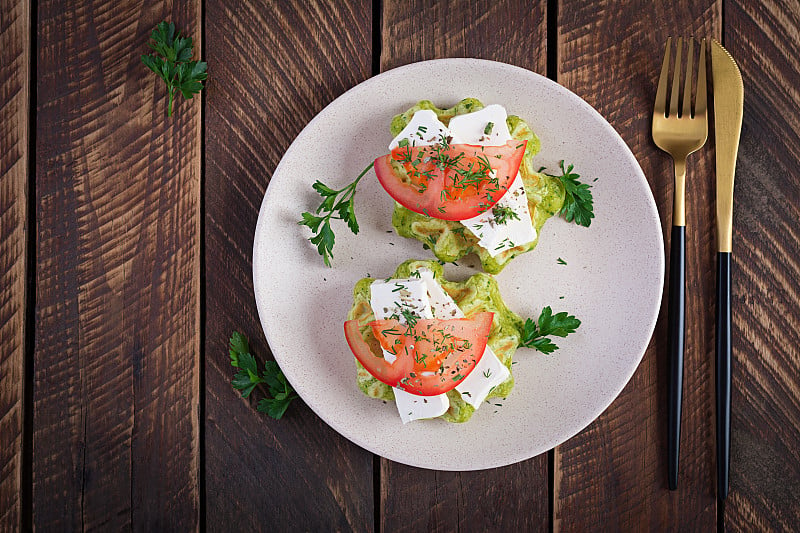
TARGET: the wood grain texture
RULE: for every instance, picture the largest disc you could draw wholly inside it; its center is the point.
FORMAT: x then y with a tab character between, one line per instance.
274	65
418	30
116	379
613	475
764	38
514	498
14	90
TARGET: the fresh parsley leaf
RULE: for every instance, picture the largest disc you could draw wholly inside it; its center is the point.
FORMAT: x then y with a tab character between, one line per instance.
278	394
274	407
246	378
238	345
274	378
171	61
534	334
248	364
578	201
336	205
242	382
544	345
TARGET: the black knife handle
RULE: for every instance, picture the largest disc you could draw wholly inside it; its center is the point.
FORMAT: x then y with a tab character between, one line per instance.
723	372
676	326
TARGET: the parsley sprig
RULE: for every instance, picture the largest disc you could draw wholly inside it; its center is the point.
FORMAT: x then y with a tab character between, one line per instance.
578	201
172	62
278	394
534	334
336	205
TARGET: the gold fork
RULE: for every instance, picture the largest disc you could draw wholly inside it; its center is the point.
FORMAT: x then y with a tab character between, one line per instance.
679	131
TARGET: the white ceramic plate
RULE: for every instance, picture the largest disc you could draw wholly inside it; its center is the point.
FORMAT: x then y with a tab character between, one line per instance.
612	281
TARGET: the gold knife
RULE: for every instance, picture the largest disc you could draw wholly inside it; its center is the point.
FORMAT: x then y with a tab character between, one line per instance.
728	106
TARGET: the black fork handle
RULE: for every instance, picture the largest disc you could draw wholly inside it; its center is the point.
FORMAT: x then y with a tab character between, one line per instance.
676	327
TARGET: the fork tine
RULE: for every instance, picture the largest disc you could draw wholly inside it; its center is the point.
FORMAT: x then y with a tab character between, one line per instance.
676	81
687	87
661	93
700	105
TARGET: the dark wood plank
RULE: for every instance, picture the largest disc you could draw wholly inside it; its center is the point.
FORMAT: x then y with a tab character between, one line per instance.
14	90
514	498
273	67
613	475
765	459
116	380
423	29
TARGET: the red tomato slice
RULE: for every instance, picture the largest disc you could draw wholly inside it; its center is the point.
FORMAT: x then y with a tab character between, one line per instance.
453	182
433	356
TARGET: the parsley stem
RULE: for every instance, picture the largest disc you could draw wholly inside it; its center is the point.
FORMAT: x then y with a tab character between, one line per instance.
349	193
171	92
363	173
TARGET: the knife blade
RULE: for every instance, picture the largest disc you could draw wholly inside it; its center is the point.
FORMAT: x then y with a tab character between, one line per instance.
728	109
728	106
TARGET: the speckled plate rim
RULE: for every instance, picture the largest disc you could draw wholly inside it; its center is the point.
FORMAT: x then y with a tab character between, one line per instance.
265	270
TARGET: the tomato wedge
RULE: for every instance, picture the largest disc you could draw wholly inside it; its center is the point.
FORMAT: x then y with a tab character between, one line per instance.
433	356
450	181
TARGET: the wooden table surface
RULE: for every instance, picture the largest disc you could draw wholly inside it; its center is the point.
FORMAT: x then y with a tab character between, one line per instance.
125	263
